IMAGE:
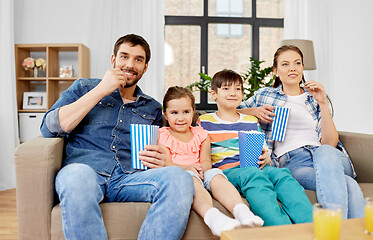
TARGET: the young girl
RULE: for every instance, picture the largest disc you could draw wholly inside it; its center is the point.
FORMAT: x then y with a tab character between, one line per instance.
309	150
189	148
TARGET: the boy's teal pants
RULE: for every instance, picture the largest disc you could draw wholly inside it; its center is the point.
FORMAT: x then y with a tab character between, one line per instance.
264	188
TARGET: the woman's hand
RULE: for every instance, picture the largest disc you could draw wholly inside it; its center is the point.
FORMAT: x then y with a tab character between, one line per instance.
317	91
265	159
264	113
329	134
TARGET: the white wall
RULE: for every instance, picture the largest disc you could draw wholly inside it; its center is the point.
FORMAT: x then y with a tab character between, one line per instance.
342	35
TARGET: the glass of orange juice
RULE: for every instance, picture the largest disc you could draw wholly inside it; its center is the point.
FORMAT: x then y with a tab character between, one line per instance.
327	219
369	215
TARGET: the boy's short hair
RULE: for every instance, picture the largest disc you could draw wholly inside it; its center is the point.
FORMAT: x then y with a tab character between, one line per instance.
225	77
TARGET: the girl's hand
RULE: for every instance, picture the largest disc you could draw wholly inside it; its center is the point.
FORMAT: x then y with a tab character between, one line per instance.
317	91
197	168
265	159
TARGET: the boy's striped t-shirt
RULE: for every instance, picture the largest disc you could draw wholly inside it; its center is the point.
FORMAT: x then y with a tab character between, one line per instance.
224	137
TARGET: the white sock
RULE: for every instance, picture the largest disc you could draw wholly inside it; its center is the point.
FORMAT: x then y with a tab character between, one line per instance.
219	222
242	213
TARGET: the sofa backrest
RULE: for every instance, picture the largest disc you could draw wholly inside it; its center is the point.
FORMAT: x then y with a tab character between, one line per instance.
360	148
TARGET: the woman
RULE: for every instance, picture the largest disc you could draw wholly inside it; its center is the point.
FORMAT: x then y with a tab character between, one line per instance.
309	150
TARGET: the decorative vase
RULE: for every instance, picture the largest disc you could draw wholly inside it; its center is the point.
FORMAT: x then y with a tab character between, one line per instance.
36	72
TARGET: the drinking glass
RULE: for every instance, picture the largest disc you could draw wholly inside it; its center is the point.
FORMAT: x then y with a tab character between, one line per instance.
369	215
327	219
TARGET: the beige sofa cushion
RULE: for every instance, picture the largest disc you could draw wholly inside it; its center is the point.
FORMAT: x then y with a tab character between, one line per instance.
119	224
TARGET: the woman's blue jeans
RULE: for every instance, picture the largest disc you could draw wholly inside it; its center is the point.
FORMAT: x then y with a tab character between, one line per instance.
81	189
327	171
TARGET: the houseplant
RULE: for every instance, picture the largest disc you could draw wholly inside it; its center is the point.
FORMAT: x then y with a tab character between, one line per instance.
253	79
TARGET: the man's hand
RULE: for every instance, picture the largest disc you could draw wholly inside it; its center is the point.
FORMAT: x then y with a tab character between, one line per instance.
113	79
72	114
265	159
154	156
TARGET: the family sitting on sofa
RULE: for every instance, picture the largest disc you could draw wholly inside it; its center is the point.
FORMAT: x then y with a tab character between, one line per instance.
94	116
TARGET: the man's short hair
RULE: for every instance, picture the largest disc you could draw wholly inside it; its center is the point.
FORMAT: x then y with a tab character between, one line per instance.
225	77
134	40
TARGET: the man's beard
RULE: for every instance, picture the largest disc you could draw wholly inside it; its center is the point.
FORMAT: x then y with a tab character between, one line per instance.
135	81
130	84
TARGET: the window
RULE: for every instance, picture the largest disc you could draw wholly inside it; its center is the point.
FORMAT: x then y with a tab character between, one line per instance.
229	8
210	35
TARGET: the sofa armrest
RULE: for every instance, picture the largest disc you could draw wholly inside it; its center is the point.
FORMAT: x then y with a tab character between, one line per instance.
360	148
37	163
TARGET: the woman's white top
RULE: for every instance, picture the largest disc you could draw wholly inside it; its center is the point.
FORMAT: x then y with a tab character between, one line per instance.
301	128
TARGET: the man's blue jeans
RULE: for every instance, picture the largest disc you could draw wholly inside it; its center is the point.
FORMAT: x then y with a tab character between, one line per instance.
327	171
81	189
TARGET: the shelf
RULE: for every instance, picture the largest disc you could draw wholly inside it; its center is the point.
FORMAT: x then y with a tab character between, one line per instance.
55	55
32	110
61	79
32	79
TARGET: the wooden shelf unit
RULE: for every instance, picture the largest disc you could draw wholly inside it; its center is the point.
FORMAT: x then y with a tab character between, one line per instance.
51	83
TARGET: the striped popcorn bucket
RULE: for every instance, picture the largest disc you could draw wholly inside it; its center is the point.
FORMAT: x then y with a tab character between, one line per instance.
279	124
141	135
250	147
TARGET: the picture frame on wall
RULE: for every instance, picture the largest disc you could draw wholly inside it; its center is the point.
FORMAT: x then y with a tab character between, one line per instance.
34	100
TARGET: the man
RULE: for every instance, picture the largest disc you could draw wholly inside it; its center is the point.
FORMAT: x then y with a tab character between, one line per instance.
95	116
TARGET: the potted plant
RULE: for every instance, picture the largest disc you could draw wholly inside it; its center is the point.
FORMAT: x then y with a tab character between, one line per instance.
253	79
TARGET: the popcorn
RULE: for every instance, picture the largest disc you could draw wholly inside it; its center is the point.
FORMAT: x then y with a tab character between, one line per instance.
250	146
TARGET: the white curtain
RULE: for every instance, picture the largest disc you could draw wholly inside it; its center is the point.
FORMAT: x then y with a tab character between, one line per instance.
312	20
8	117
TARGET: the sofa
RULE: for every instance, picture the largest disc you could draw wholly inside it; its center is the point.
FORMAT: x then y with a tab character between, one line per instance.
39	215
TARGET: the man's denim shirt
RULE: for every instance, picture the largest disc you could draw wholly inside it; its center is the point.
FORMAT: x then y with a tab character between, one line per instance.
103	137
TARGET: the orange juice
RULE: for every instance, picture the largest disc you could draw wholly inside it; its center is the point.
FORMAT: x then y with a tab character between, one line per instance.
369	217
327	223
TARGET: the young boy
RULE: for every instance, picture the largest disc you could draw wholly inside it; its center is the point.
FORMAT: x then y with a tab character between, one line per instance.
262	187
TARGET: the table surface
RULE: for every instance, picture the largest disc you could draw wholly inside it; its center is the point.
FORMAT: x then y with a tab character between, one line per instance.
352	229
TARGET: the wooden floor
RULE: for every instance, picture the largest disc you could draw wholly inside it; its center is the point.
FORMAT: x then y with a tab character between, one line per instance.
8	215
